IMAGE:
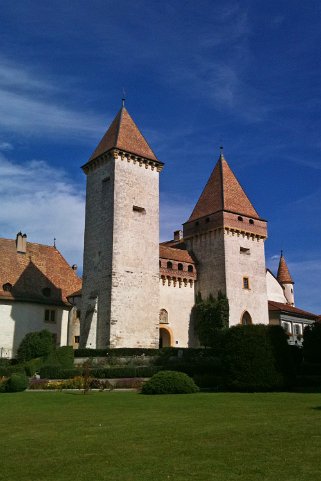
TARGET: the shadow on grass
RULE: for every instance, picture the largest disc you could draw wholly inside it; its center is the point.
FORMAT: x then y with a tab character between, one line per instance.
316	408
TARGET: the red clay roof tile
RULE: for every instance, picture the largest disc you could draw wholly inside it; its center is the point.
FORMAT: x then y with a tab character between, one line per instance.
39	268
223	192
123	134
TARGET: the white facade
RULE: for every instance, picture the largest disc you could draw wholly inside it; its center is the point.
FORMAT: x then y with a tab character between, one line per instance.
18	318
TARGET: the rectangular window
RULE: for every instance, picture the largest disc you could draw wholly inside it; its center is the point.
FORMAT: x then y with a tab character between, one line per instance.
77	339
50	315
245	250
246	283
136	208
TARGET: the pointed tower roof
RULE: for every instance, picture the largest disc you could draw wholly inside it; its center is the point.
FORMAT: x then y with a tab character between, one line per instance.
123	134
283	275
223	192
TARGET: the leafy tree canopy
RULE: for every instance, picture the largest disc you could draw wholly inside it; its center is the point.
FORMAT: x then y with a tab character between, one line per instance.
35	344
211	317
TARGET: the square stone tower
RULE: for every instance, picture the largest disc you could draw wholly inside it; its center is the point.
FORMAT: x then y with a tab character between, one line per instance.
120	295
227	236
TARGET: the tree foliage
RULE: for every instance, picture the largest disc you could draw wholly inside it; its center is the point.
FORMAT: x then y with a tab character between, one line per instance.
211	317
312	343
35	344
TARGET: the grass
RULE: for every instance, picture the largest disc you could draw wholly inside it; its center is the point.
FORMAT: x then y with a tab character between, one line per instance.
130	437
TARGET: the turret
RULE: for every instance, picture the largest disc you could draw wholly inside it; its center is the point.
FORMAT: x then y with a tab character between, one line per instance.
286	281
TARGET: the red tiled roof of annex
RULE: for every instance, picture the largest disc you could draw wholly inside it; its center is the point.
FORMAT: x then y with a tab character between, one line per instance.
278	306
39	275
171	253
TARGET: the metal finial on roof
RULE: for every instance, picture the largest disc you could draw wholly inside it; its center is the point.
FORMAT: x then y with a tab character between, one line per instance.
221	152
281	252
54	242
124	98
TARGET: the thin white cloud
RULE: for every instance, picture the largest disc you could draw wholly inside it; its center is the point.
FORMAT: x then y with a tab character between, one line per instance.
5	146
43	202
30	105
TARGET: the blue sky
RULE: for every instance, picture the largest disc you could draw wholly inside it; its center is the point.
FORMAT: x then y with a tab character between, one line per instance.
196	74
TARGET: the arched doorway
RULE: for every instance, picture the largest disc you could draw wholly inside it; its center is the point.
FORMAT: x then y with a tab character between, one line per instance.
165	337
246	319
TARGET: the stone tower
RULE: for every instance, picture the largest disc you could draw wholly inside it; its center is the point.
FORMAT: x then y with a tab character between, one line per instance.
120	296
286	281
227	236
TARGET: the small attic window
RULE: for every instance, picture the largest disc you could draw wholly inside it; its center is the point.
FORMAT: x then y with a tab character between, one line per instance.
240	218
46	292
207	219
7	287
197	223
180	267
169	265
141	210
251	221
190	268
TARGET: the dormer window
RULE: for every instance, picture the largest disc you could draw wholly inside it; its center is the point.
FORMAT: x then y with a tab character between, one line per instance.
7	287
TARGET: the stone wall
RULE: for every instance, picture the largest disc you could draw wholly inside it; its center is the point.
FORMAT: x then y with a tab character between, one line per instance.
245	258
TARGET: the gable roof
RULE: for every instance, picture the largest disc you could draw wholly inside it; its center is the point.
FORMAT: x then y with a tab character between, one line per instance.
278	306
39	268
223	192
283	275
123	134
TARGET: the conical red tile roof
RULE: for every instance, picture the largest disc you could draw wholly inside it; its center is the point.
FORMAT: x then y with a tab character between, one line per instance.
283	275
123	134
223	192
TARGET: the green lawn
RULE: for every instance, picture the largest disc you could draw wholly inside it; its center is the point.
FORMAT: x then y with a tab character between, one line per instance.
130	437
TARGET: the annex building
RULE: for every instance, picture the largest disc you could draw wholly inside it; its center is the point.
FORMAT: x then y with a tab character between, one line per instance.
135	291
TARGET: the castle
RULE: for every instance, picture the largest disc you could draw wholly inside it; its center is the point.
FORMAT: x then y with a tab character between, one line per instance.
136	292
139	293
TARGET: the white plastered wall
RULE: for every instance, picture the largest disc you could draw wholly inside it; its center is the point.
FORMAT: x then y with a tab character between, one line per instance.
274	289
19	318
178	302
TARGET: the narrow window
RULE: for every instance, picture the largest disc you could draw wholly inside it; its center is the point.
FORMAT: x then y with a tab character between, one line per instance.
50	315
169	265
246	319
245	250
180	267
246	283
7	287
240	218
77	339
251	221
160	263
190	268
207	219
197	223
141	210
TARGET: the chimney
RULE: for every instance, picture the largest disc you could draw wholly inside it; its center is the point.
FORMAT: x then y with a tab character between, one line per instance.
21	243
74	268
178	235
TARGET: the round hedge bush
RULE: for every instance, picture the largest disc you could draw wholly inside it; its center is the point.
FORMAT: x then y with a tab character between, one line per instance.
17	383
170	382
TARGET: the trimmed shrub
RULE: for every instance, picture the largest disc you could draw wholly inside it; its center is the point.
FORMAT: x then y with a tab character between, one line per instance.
16	383
249	359
56	372
35	344
283	354
120	352
312	343
62	356
170	382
